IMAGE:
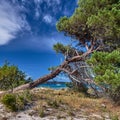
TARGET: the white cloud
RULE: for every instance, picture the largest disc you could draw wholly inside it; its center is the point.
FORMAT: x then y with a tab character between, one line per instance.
37	13
47	41
50	3
11	22
37	9
38	1
47	18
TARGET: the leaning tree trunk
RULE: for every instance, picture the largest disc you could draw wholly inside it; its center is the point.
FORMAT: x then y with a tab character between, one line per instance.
54	73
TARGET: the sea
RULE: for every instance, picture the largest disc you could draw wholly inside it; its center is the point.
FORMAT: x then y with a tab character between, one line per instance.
53	85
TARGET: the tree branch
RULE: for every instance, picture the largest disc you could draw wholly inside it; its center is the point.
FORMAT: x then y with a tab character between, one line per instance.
54	73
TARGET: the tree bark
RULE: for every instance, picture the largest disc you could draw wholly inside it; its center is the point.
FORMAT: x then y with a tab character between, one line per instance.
54	73
45	78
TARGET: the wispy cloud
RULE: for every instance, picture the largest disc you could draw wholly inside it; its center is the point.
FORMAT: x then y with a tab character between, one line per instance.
53	5
47	18
37	8
11	22
46	42
37	13
38	1
52	2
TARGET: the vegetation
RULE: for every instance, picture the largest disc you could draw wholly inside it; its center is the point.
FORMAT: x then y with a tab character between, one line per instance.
95	26
62	103
11	77
107	68
41	113
9	100
94	21
16	102
53	103
66	103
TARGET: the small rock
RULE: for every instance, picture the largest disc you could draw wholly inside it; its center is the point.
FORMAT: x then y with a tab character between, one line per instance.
107	116
97	116
103	105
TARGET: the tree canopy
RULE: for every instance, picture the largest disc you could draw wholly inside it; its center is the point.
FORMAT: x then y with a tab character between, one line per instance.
11	77
94	21
95	24
107	69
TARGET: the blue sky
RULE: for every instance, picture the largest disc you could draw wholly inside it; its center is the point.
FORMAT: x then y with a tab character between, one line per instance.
28	32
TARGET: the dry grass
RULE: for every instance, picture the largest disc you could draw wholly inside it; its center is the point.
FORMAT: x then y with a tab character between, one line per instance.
66	103
74	101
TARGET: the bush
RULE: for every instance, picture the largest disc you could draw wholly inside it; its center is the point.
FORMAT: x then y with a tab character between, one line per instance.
80	88
41	112
9	100
11	76
53	103
69	84
18	101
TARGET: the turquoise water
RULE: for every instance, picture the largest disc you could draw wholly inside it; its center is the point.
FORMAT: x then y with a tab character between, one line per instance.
53	85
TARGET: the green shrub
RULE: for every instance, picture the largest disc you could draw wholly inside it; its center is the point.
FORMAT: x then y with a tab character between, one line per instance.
11	76
25	96
76	88
41	112
114	117
18	101
9	100
53	103
23	99
69	84
70	113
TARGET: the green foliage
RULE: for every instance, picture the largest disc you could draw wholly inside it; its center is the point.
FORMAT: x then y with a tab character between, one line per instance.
114	117
9	100
76	88
69	84
93	19
107	68
11	76
97	22
18	101
53	103
52	68
66	50
70	112
107	20
60	48
23	99
41	113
